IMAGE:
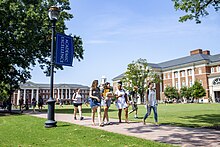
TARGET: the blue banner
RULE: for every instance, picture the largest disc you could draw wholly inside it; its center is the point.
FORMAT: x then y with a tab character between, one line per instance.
64	50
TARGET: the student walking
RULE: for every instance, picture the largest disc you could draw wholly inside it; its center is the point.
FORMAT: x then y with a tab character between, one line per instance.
77	103
151	103
21	103
134	98
95	102
40	103
34	103
121	102
107	95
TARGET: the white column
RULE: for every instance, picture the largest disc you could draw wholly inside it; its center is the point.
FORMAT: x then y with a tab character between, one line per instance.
61	93
186	76
69	94
179	84
65	93
161	88
18	96
173	79
37	95
32	94
58	93
24	95
193	75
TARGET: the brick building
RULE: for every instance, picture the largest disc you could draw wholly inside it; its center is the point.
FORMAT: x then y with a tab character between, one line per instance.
199	65
31	90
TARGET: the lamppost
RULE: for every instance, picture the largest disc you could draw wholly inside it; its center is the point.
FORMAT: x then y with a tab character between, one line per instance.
53	15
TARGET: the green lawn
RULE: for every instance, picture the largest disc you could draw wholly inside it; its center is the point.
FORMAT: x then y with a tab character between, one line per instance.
28	131
188	115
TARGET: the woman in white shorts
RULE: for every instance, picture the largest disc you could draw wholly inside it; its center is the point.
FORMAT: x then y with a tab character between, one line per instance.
121	102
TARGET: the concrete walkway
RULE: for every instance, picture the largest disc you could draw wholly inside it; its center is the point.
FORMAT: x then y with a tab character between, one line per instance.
181	136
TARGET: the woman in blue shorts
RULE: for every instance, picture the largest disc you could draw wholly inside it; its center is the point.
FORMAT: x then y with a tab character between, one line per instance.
95	102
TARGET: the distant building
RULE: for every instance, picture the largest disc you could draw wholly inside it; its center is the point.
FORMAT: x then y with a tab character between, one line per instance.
199	65
31	90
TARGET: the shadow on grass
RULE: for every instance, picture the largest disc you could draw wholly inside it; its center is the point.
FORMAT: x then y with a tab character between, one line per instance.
70	111
59	126
211	121
7	113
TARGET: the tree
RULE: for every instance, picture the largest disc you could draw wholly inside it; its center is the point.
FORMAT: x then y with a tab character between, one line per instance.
137	74
171	92
185	92
197	90
195	8
26	36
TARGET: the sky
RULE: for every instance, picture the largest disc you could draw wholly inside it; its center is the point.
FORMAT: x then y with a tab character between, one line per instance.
117	32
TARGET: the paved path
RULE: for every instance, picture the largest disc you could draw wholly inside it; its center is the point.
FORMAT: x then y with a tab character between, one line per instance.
181	136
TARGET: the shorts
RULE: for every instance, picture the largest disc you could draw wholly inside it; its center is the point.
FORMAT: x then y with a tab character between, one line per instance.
121	105
107	103
94	103
77	104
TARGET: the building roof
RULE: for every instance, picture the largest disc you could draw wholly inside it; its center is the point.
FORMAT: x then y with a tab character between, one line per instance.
185	60
118	77
30	84
193	58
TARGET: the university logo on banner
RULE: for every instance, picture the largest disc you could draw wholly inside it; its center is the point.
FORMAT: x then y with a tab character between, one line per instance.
64	50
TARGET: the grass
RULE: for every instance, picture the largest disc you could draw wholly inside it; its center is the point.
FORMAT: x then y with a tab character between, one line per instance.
184	115
24	130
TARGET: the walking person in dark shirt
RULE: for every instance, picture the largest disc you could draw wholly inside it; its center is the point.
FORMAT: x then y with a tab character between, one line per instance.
134	98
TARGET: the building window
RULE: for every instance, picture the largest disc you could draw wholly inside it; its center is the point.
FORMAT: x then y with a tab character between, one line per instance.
176	74
216	81
183	73
218	68
190	72
168	75
212	70
165	86
183	83
164	76
200	71
200	81
190	83
177	84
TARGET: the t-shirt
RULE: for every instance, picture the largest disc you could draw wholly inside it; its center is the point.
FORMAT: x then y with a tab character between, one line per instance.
78	98
134	96
152	101
105	91
96	92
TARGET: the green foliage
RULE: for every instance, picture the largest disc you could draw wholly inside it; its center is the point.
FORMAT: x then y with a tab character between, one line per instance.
3	91
185	92
171	92
24	130
26	37
137	74
195	8
197	90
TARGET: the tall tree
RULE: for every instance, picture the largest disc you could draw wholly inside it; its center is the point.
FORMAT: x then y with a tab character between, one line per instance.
137	74
26	36
197	91
171	92
185	92
195	8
